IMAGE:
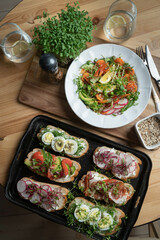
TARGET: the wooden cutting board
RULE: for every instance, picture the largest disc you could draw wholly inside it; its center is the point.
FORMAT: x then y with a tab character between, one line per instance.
38	92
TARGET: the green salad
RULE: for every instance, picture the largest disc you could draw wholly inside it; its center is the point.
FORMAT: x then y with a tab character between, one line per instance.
107	85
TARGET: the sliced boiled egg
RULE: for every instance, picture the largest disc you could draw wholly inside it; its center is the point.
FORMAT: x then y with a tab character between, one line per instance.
58	144
70	146
94	216
105	222
47	138
81	213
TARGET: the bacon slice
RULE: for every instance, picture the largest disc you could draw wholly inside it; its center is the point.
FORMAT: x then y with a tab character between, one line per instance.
100	187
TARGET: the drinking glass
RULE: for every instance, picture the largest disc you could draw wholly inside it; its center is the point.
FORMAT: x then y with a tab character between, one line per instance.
15	43
121	21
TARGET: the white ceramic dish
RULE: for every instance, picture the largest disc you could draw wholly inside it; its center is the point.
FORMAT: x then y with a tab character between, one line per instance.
108	121
154	146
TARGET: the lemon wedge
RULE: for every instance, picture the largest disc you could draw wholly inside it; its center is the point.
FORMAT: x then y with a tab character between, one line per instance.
106	77
115	21
20	48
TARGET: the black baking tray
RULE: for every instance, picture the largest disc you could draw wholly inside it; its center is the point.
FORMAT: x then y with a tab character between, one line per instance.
30	141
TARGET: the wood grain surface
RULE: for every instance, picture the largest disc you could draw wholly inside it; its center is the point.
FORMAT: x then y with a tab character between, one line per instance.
39	92
15	116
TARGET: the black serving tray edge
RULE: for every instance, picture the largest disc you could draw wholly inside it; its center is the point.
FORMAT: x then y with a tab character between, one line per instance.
140	192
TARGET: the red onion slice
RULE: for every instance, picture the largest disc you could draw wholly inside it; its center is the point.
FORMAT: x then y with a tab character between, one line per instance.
43	193
47	188
36	185
123	101
121	164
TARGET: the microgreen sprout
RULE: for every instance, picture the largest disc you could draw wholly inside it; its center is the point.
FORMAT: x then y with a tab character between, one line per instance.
64	35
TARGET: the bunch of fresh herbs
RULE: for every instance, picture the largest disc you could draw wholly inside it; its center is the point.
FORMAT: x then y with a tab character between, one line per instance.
64	35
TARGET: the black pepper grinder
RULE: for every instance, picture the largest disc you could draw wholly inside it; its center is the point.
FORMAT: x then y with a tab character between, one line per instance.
48	62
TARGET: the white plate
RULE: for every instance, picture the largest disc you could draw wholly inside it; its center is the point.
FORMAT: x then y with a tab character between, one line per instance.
108	121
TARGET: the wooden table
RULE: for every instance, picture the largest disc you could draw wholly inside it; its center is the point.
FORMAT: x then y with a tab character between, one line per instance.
15	117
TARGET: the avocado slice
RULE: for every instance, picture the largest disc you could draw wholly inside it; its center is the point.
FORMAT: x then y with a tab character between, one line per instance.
88	66
35	167
85	98
56	167
28	162
57	161
73	168
69	169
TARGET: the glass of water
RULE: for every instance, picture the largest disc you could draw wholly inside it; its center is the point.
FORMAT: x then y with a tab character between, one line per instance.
15	43
121	21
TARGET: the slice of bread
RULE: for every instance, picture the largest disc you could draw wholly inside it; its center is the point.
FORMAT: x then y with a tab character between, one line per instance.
47	196
100	187
47	168
82	144
123	165
116	214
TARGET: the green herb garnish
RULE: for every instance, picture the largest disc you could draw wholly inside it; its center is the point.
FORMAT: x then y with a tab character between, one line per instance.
48	160
64	35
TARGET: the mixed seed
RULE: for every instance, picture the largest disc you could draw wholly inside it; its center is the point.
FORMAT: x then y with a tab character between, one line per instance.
150	130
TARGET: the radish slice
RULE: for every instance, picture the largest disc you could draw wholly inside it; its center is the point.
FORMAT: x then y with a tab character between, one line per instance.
21	186
111	111
117	110
107	109
128	159
123	101
44	193
54	206
118	106
123	156
35	198
47	207
25	195
115	159
28	182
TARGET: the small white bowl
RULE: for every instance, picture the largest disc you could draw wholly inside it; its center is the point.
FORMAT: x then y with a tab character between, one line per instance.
149	147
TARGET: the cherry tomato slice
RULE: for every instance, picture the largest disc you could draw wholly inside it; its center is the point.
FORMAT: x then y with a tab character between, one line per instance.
38	156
